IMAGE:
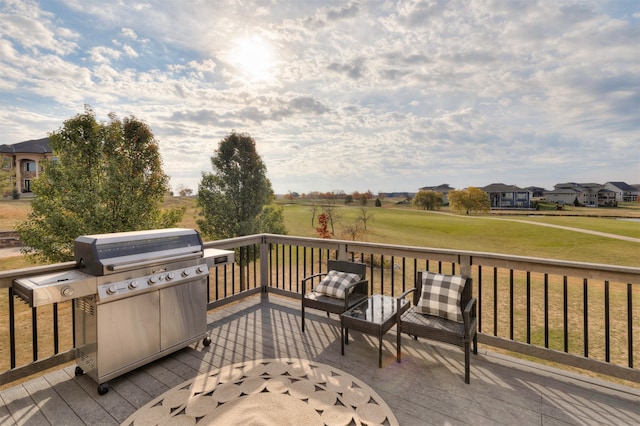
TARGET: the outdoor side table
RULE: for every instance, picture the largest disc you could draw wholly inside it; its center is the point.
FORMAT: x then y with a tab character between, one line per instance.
374	316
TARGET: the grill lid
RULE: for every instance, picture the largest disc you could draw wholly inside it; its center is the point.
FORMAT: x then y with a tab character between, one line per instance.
104	254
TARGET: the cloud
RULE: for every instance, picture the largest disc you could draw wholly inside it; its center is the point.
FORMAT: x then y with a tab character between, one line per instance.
390	95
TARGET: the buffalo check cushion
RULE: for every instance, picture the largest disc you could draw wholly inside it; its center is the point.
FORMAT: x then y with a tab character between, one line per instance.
335	283
441	296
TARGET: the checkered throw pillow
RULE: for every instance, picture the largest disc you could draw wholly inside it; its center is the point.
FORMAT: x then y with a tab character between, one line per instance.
335	283
441	296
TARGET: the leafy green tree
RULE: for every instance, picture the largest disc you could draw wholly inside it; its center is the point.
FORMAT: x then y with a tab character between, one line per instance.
105	177
469	200
234	196
235	199
428	200
7	176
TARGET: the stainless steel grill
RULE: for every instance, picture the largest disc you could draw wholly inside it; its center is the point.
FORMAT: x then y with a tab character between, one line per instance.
138	296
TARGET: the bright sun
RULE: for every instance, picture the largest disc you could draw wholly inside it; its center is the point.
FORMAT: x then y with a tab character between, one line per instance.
253	57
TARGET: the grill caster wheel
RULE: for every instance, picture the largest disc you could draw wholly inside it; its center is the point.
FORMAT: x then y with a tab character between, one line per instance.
79	371
103	388
206	341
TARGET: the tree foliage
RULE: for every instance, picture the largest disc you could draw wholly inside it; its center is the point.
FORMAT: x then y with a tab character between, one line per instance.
105	177
323	229
469	200
7	176
428	200
235	197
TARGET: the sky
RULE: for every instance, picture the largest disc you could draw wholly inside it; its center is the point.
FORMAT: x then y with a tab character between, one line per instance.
342	95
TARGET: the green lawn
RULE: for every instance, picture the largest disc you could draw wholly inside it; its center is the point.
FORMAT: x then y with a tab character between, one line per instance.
404	225
486	233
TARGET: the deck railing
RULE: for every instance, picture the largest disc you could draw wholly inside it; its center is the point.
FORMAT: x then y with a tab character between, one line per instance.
578	314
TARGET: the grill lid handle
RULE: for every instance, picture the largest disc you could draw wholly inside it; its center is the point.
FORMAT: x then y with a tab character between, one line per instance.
115	267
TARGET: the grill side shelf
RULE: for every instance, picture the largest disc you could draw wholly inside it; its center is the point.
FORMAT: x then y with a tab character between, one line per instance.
46	289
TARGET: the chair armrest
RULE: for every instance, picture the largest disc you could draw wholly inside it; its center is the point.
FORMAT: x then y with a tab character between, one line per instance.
360	287
305	279
469	315
399	302
403	295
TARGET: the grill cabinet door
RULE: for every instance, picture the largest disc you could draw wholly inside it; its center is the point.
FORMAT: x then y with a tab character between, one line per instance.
183	313
128	331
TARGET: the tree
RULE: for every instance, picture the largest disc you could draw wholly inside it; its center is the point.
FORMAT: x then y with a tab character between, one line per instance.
184	191
233	197
365	215
471	199
428	200
106	177
353	230
314	210
7	176
332	213
323	229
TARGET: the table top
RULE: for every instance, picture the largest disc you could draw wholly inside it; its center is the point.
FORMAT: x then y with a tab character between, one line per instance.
377	309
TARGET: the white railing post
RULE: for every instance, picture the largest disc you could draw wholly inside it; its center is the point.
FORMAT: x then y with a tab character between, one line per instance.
264	264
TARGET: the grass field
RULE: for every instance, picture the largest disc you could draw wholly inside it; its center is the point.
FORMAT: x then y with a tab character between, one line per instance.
516	233
486	233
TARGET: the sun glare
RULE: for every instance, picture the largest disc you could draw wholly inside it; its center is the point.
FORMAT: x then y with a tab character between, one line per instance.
253	58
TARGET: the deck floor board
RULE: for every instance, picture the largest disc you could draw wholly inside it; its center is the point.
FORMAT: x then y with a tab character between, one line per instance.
426	388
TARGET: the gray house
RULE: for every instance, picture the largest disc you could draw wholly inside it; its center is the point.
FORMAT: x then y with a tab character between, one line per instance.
503	196
624	193
584	194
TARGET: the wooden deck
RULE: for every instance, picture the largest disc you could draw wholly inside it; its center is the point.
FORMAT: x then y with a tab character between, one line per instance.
427	388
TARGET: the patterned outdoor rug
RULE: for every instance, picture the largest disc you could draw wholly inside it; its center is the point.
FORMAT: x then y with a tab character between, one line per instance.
268	392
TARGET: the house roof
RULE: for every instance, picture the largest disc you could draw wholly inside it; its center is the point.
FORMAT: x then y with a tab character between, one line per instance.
444	188
35	146
623	186
564	191
501	187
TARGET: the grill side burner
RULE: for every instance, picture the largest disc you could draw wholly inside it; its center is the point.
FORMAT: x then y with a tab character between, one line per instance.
138	296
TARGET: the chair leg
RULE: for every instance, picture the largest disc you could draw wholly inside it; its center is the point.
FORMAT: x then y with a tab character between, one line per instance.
475	344
467	358
398	343
303	318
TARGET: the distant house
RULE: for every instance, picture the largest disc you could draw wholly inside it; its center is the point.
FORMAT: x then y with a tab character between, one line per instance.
584	194
24	158
503	196
536	191
624	193
607	198
442	189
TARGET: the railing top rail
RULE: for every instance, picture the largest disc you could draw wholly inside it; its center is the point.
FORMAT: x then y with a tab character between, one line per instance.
619	273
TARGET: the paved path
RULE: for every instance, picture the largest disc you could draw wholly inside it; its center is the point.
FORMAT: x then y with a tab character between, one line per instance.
566	228
10	252
584	231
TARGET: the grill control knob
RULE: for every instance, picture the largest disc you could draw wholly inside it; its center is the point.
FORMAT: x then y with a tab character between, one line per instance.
201	269
153	279
133	284
186	273
170	276
112	289
67	292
